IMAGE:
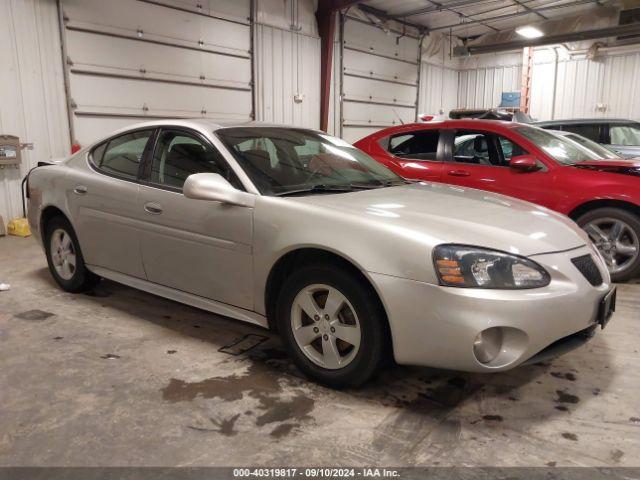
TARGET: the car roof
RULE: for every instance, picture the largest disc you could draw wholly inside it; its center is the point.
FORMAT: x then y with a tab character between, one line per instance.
202	123
466	123
583	121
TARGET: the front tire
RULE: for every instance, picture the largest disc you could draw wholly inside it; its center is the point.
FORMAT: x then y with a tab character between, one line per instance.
332	325
616	234
64	257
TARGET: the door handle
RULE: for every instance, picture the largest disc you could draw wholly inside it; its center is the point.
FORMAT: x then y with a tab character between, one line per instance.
153	208
80	190
459	173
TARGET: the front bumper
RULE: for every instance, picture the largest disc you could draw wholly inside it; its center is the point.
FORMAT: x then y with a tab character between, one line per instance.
436	326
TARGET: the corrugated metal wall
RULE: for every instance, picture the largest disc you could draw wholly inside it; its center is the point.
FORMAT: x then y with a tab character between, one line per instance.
438	88
606	86
483	87
32	99
287	63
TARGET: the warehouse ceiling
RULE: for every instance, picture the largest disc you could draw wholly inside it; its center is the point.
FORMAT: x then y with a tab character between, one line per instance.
472	18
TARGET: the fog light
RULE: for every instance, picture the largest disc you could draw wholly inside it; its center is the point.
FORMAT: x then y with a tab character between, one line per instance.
487	344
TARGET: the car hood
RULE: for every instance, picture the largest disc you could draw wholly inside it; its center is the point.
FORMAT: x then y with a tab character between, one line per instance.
626	167
442	213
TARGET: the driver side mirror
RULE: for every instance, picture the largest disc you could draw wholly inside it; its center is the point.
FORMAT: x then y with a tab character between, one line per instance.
214	187
524	163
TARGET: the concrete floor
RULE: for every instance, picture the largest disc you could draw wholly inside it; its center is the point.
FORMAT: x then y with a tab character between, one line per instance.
120	377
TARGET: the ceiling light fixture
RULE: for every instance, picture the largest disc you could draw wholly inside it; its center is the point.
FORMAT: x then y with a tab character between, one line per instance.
529	32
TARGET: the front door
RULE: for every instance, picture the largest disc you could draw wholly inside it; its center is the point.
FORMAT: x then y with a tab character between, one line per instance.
196	246
481	160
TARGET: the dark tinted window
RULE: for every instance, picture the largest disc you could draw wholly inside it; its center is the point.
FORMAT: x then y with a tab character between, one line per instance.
123	154
179	154
422	145
592	132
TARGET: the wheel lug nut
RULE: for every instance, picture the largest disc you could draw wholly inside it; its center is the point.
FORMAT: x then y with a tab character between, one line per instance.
333	330
326	317
316	329
325	337
316	317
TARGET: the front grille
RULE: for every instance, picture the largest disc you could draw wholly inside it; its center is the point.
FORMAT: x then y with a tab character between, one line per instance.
589	269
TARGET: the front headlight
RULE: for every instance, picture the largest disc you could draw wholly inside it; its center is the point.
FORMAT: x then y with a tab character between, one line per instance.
475	267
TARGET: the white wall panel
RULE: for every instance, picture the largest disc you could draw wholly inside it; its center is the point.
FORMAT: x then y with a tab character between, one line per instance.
606	86
32	101
620	86
438	88
482	88
287	65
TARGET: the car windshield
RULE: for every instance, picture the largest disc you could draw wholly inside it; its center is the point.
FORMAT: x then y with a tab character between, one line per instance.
559	148
286	161
596	148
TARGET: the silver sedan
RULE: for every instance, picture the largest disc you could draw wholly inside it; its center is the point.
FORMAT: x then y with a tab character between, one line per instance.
300	232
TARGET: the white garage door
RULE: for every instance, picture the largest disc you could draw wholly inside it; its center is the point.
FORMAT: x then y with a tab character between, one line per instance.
379	79
131	60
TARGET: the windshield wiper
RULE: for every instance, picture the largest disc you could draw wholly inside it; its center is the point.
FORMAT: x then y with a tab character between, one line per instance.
317	189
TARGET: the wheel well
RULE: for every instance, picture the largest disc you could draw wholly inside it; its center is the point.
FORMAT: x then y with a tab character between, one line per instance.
297	259
47	214
592	205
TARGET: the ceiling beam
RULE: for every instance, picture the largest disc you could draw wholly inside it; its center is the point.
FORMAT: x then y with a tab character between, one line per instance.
527	7
434	8
383	15
512	15
617	30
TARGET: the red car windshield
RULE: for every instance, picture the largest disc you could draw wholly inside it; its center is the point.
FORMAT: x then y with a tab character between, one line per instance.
559	148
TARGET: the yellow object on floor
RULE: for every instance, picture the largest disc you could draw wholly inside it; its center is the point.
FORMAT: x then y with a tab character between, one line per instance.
19	227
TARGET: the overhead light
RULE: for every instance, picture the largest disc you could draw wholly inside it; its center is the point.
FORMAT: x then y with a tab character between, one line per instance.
529	32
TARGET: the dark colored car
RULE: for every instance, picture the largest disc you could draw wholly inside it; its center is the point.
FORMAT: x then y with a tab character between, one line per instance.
622	136
600	193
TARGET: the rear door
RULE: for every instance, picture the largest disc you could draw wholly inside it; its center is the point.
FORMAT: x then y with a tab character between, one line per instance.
417	154
480	159
103	202
200	247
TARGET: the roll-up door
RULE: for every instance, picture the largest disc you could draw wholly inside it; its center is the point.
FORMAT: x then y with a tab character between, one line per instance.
379	78
131	60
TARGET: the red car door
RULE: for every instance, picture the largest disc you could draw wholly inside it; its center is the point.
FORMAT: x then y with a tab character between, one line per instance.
480	159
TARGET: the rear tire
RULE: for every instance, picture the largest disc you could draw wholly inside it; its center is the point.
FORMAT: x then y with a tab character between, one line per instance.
616	234
346	343
64	257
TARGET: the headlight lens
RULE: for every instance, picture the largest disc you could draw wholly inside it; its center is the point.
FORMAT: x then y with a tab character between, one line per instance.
467	266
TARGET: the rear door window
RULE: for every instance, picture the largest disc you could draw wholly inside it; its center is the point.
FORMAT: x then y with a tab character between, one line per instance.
420	145
122	155
624	135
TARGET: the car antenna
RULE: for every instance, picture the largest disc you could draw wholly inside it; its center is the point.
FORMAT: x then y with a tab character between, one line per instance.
394	111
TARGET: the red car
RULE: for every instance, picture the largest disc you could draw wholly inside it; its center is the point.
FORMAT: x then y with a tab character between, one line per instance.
600	192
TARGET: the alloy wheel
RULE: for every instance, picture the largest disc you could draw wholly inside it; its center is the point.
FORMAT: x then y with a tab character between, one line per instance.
617	242
63	254
325	326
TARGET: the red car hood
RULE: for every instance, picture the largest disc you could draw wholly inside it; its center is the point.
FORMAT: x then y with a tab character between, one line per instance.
626	167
